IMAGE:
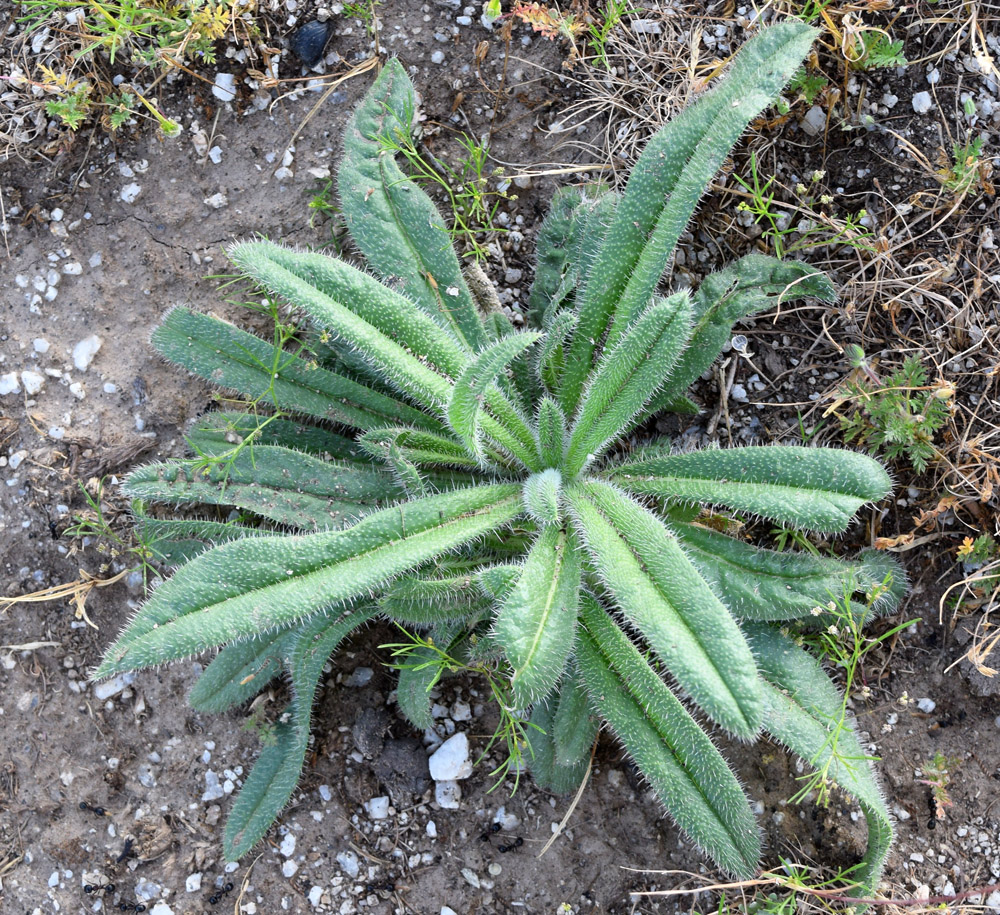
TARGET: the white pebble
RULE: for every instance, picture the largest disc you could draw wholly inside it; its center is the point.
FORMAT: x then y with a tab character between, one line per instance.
348	862
8	384
448	795
325	793
814	123
72	268
161	908
448	910
437	57
315	895
110	387
215	154
289	867
926	705
288	844
193	883
216	201
130	193
213	788
77	390
431	829
85	350
40	345
33	382
922	102
224	87
113	687
361	677
378	808
451	760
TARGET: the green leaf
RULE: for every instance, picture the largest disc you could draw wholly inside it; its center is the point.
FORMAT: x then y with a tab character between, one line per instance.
574	725
418	446
647	573
753	284
276	772
218	433
537	620
394	223
241	670
627	377
234	359
285	486
475	389
806	713
759	584
819	489
683	766
541	754
664	188
263	262
551	425
427	601
242	588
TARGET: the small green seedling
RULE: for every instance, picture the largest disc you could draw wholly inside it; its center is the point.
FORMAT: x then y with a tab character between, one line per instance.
937	774
482	486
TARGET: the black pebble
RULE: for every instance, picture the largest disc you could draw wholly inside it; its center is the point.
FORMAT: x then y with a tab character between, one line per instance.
309	41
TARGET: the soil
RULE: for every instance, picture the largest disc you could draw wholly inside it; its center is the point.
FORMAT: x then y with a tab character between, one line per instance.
126	785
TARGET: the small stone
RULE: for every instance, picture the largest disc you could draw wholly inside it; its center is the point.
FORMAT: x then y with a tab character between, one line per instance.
130	193
224	87
431	829
110	387
8	384
161	908
213	787
448	795
108	688
814	123
448	910
451	760
288	844
348	862
309	42
72	268
41	345
77	390
922	102
361	677
289	867
33	382
378	808
471	877
926	705
325	793
193	883
216	201
85	350
646	27
437	57
315	896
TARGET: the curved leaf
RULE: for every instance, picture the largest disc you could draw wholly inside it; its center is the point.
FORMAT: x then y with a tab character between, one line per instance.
645	570
683	766
816	488
242	588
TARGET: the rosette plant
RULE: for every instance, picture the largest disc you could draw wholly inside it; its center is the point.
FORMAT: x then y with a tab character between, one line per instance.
495	489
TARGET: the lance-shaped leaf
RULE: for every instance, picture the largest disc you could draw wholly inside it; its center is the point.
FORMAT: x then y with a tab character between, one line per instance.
285	486
574	725
239	589
540	756
277	770
664	188
627	377
537	620
753	284
428	601
220	432
807	714
241	670
424	448
819	489
762	584
391	219
400	366
174	541
382	307
660	593
551	425
476	389
232	358
683	766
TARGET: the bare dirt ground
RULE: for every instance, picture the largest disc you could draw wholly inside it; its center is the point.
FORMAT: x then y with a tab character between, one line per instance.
102	234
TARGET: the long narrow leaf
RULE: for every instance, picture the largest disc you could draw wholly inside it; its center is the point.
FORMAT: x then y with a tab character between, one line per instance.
245	587
672	751
645	570
819	489
807	714
665	186
393	221
537	620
